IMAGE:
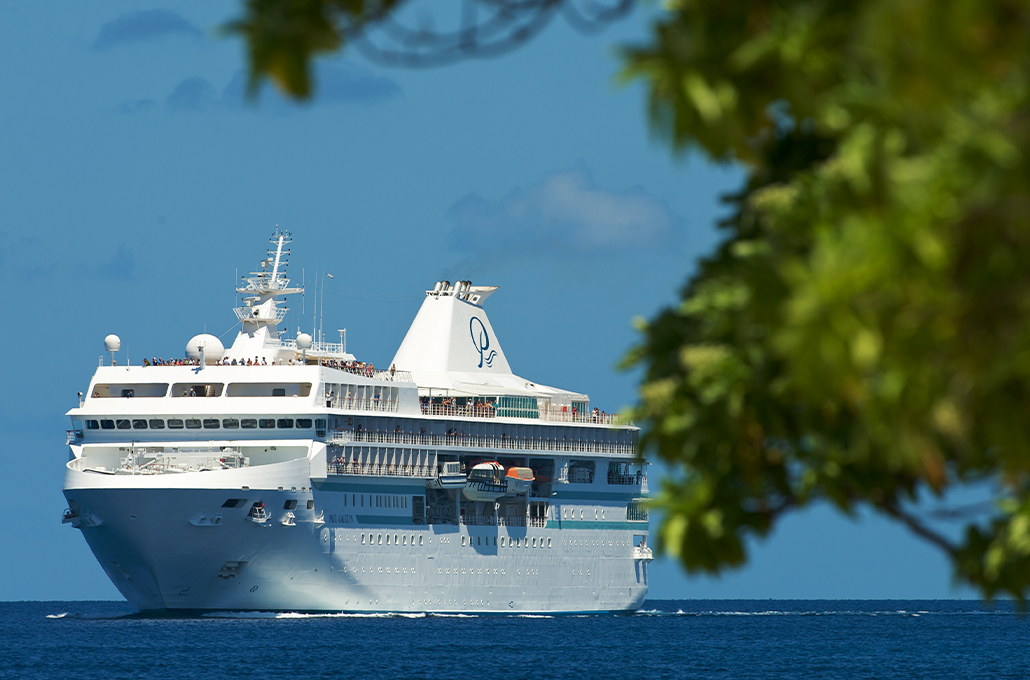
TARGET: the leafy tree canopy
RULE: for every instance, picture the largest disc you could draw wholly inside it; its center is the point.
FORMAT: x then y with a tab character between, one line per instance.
862	335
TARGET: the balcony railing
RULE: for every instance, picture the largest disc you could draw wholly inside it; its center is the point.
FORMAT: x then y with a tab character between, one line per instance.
341	437
554	415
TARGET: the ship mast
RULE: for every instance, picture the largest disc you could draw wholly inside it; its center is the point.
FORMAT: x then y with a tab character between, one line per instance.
261	305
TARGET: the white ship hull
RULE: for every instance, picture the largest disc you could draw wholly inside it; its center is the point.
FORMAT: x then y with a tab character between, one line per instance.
151	547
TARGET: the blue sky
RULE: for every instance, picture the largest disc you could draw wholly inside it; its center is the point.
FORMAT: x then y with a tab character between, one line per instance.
135	179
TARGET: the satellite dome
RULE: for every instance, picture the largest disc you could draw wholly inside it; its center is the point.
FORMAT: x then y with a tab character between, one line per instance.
213	349
303	341
112	343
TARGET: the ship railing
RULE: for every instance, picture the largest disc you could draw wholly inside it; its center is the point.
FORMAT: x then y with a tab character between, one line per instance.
341	437
72	436
365	370
511	521
479	520
539	522
247	314
352	404
380	470
631	480
553	415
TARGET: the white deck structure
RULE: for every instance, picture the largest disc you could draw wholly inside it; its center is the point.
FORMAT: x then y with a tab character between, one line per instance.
308	481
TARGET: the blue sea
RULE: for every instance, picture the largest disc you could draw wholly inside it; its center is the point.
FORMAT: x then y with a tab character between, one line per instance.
666	639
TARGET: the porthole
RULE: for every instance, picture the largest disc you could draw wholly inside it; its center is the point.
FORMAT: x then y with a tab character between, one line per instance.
602	514
548	541
581	513
462	541
404	541
563	511
502	541
394	539
420	540
534	541
388	539
595	514
380	539
362	539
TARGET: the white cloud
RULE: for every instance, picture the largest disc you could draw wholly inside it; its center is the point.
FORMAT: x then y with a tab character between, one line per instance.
566	209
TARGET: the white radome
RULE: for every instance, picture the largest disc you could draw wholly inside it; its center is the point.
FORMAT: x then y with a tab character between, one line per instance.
303	341
112	343
213	349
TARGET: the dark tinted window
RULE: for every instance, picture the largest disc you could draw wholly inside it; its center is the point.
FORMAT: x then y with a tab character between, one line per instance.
157	424
290	505
211	423
234	502
278	391
266	422
284	422
193	423
248	423
319	423
304	422
92	425
139	424
123	424
174	424
230	423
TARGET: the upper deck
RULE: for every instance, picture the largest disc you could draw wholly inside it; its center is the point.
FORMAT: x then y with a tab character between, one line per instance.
448	383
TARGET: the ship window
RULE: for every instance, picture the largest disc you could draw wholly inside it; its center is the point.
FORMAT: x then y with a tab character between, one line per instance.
595	514
248	423
420	540
266	423
362	500
581	513
602	514
362	539
92	425
234	502
269	389
304	423
106	390
563	511
534	541
284	422
174	424
380	539
211	423
123	424
548	541
320	423
290	505
139	424
230	423
462	541
157	424
192	390
388	539
193	423
311	505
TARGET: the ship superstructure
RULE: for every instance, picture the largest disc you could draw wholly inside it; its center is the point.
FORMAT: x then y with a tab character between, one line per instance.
284	474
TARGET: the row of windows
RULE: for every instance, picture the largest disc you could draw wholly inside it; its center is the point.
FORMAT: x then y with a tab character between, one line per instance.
205	423
379	501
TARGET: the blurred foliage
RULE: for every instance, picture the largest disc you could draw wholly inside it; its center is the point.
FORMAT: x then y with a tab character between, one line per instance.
862	335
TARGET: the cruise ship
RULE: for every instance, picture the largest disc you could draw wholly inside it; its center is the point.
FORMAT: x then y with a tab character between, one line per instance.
283	474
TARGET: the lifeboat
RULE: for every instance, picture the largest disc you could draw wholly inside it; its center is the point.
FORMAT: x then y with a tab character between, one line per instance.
520	480
486	482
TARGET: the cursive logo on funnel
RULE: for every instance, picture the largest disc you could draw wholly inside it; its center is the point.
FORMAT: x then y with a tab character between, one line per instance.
481	339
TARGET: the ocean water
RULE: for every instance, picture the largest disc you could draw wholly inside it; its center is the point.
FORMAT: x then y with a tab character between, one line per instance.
667	639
